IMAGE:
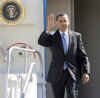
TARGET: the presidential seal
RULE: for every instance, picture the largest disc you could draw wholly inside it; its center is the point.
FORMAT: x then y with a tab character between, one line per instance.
12	12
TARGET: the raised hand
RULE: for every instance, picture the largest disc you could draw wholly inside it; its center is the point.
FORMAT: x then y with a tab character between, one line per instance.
50	22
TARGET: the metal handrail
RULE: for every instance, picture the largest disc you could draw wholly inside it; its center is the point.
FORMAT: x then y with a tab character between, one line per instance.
27	80
24	49
31	67
28	77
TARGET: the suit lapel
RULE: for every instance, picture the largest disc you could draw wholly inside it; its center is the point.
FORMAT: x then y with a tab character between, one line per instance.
59	40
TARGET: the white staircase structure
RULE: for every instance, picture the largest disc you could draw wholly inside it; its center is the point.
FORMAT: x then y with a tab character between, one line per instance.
21	84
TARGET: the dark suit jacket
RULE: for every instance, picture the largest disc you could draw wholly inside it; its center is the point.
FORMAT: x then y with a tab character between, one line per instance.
76	56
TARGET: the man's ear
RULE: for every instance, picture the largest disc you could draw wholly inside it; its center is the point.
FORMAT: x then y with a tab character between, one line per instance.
68	23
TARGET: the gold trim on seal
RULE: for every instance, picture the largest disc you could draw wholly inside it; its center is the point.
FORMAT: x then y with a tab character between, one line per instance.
11	12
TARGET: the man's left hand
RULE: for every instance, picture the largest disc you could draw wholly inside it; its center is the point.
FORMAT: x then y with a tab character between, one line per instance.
85	78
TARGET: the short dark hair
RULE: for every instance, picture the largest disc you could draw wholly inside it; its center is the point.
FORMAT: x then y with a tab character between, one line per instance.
61	14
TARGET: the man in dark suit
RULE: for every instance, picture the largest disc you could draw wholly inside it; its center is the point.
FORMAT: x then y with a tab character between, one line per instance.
69	63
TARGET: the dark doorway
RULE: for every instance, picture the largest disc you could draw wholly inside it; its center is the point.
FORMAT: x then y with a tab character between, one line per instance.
87	21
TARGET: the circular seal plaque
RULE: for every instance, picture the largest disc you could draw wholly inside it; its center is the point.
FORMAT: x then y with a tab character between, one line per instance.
12	12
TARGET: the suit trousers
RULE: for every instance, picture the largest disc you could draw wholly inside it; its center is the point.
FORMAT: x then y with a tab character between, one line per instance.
66	82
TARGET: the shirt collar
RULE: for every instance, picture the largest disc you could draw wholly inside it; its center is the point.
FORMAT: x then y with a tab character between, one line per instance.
66	32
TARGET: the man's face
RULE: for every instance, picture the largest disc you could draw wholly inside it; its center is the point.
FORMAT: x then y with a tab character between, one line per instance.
62	23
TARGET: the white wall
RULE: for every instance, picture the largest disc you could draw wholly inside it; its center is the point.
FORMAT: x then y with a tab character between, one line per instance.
28	32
